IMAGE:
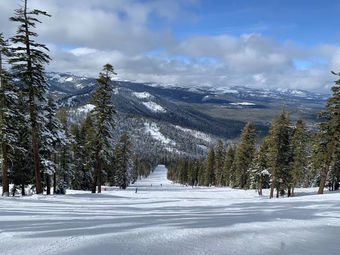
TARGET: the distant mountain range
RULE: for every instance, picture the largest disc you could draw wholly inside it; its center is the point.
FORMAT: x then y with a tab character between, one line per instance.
211	112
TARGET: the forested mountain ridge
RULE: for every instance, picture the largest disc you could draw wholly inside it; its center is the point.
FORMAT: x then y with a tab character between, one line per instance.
219	112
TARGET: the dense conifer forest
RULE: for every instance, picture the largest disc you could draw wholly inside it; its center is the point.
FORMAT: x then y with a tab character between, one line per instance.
43	148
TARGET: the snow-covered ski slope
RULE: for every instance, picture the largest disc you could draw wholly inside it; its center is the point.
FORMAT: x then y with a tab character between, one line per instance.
170	219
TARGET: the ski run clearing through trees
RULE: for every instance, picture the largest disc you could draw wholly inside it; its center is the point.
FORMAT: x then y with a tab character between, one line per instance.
167	218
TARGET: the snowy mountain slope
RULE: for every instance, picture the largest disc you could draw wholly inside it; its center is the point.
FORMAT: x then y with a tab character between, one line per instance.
221	112
150	136
166	218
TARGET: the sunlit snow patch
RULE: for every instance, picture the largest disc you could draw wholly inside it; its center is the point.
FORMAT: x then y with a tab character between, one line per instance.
195	133
85	108
156	134
79	86
142	95
152	106
243	103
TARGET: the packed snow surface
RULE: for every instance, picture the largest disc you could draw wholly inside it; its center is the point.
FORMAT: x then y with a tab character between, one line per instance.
166	218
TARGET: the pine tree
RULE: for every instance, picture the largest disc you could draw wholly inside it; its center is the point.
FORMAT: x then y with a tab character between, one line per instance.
28	61
64	172
260	173
192	173
123	161
245	154
335	173
103	121
88	151
210	168
8	101
300	153
184	172
229	159
219	163
51	135
201	174
279	151
22	170
329	135
233	171
81	178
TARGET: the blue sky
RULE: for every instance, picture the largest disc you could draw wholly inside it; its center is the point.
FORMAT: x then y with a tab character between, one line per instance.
259	43
307	22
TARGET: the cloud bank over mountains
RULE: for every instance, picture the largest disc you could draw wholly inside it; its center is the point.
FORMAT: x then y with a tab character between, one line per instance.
139	39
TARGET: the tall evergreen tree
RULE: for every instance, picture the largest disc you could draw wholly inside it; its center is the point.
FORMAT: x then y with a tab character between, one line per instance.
233	170
28	60
329	135
183	178
82	177
229	159
103	121
245	154
8	100
300	153
260	173
201	174
86	157
65	160
279	151
123	161
51	135
210	169
219	163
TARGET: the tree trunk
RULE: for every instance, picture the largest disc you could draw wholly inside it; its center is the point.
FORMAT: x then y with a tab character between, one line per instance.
48	184
323	178
5	183
272	187
97	178
39	188
54	183
100	176
293	194
94	185
23	189
32	107
289	194
336	186
260	190
277	192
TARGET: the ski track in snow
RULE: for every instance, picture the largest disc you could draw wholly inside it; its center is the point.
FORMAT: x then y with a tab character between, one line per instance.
170	219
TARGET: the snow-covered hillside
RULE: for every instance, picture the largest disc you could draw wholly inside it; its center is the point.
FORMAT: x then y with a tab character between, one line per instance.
166	218
154	131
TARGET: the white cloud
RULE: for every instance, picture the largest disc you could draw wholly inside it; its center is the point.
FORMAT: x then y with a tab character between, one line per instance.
83	35
82	51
